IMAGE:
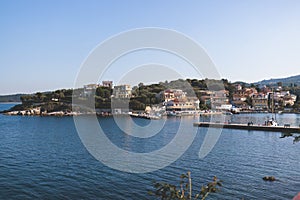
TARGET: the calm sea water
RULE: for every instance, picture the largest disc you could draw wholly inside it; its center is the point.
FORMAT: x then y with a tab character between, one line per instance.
43	158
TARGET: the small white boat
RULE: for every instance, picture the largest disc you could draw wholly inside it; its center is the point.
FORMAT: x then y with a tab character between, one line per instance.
271	122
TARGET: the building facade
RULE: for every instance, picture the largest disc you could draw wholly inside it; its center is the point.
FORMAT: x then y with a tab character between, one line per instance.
260	102
122	92
89	89
172	94
177	100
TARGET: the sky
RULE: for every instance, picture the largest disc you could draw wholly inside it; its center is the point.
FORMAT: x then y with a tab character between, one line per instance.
43	44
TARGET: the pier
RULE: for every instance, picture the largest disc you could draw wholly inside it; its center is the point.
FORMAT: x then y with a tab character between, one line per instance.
282	129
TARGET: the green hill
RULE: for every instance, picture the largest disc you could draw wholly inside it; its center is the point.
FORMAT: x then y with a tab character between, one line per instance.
285	81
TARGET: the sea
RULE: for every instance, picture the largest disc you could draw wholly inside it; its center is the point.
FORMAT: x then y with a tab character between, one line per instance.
45	158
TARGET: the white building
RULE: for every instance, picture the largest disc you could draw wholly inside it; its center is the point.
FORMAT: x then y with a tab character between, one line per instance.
122	91
89	89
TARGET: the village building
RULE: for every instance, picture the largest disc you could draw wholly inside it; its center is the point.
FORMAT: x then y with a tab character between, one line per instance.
219	98
122	92
171	94
89	89
260	101
182	104
239	97
177	100
238	87
249	92
242	105
289	100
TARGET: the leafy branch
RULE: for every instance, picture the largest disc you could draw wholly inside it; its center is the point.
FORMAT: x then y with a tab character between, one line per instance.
166	191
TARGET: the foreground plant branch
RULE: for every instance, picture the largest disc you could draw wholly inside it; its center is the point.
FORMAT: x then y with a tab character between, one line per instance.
168	191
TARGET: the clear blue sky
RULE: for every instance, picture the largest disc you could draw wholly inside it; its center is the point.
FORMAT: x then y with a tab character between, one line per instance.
43	43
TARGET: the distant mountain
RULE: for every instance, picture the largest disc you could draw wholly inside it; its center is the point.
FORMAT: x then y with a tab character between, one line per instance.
285	81
11	98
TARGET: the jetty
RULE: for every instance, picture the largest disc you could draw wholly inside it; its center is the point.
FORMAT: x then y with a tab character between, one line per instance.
249	127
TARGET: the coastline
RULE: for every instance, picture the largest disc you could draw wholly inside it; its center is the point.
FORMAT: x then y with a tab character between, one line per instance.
37	112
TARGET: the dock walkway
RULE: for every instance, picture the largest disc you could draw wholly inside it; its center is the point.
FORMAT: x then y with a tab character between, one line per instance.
282	129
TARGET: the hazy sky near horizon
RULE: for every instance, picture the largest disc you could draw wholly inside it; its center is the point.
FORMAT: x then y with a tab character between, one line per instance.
44	43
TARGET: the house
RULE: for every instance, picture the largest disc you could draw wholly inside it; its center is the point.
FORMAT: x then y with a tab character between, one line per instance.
265	89
206	100
205	97
219	98
182	104
176	99
238	87
242	105
280	94
89	89
215	99
239	97
122	92
289	100
260	101
283	98
171	94
248	92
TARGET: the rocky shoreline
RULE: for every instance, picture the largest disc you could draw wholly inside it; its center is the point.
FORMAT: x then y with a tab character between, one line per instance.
38	111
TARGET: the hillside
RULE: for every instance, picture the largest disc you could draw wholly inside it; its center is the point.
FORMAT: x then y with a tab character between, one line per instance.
11	98
285	81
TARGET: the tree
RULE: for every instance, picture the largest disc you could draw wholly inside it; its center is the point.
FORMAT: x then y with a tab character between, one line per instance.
184	191
257	88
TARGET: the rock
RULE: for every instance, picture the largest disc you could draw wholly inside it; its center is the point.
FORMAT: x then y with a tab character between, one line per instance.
269	178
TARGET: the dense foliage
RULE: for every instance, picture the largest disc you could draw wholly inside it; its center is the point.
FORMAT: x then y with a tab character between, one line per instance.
59	100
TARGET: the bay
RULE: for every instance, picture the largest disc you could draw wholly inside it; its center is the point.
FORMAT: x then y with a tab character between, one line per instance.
44	158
